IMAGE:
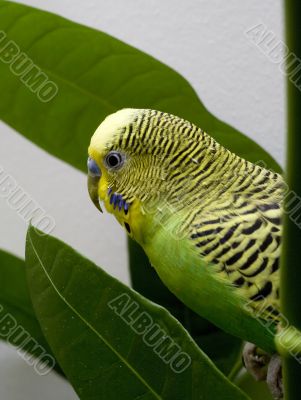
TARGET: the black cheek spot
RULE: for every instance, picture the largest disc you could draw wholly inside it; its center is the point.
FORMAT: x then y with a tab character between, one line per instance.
127	227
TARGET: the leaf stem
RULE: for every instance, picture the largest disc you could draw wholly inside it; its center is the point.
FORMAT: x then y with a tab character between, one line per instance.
290	287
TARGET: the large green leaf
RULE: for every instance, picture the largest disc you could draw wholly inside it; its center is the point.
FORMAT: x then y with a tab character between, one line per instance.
96	75
259	391
16	312
91	323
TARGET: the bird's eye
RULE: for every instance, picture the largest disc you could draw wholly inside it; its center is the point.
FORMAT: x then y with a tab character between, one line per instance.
93	168
114	160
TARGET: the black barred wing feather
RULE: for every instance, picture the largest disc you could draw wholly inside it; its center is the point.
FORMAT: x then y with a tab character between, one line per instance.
241	234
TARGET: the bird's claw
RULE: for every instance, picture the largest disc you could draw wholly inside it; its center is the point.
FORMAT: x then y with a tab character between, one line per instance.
274	377
255	361
262	367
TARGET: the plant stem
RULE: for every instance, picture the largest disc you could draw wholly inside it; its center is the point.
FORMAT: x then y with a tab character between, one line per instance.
291	261
238	366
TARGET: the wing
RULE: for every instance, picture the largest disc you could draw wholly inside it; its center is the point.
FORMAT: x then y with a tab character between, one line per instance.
241	235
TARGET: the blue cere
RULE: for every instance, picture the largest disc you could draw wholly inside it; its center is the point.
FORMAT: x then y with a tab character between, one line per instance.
93	168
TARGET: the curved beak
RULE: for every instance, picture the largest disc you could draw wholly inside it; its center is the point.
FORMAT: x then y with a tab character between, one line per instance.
93	182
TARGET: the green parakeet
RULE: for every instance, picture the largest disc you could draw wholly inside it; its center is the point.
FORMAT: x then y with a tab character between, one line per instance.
209	221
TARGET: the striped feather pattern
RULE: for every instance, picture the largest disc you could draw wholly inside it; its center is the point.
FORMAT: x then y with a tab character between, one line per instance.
230	208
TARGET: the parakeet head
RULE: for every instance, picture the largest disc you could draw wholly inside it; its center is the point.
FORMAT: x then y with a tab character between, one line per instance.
138	162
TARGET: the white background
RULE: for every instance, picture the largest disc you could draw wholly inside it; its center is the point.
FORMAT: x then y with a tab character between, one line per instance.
204	41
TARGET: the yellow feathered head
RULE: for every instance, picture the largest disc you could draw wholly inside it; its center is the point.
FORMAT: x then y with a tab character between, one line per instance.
138	161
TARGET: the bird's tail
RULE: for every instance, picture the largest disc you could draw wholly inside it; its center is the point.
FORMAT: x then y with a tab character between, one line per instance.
288	342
